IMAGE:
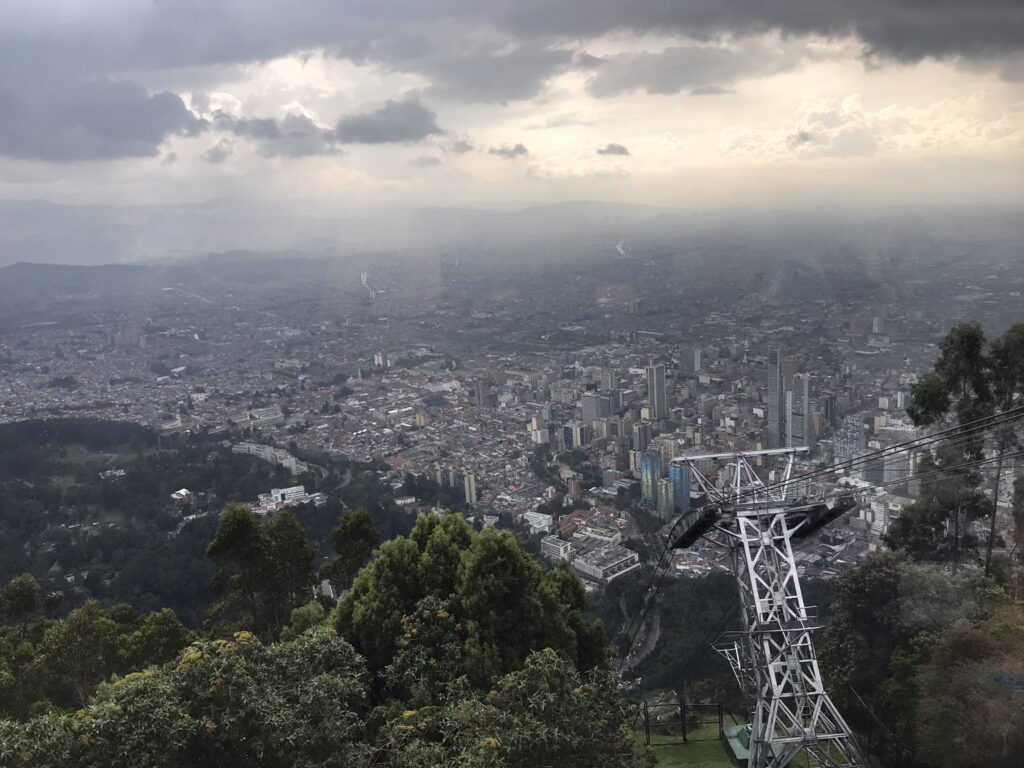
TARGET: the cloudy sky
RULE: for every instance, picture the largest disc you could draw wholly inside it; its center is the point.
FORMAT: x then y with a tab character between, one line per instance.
690	103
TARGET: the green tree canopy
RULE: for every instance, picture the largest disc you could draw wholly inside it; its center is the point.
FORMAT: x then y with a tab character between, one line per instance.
503	605
354	540
888	613
266	569
225	703
22	600
545	715
971	713
971	380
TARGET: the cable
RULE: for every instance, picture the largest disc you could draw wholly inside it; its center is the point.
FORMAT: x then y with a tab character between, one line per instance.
963	435
932	473
962	431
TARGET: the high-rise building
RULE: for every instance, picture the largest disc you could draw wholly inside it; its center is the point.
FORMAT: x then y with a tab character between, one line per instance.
650	473
642	435
828	408
679	474
469	483
666	499
608	380
850	438
594	405
774	406
799	425
657	397
580	434
689	359
483	394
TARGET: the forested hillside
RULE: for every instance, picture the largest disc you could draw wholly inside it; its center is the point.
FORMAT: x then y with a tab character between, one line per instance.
452	648
85	507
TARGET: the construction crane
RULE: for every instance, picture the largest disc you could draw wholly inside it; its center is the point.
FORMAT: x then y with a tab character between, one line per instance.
773	657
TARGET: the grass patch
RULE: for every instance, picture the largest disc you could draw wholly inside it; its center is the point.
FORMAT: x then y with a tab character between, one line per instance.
704	750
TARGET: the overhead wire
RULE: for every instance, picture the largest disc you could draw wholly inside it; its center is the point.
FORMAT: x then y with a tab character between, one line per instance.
961	434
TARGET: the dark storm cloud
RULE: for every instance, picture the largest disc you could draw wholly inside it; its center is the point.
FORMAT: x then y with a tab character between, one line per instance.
396	122
70	121
509	153
64	96
902	29
613	149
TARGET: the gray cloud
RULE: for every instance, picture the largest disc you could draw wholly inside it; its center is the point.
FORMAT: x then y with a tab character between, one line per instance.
294	136
219	152
69	121
906	30
60	101
509	153
405	121
458	147
425	161
711	90
249	127
613	149
700	69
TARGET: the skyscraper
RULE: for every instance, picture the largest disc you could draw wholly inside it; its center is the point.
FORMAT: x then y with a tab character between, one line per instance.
799	429
483	394
666	499
657	397
679	474
689	359
641	435
774	406
650	473
469	482
594	405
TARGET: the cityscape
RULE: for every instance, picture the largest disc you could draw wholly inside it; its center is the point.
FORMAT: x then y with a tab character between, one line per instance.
433	384
519	396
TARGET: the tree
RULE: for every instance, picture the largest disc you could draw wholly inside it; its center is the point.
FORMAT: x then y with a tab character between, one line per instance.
225	703
887	614
354	540
22	600
922	529
970	382
544	715
971	714
78	653
304	617
501	601
158	639
266	569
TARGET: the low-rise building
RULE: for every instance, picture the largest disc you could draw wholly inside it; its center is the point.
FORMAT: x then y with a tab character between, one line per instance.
606	562
556	548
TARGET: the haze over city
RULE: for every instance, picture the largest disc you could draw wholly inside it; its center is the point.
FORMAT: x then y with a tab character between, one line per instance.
512	384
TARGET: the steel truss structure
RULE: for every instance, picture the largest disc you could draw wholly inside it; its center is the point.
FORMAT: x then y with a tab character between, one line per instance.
773	658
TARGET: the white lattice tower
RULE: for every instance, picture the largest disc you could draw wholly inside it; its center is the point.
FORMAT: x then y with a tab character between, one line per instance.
773	658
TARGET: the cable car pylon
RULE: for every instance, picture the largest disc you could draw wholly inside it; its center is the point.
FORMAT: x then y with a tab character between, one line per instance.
773	657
